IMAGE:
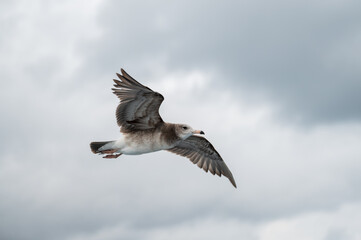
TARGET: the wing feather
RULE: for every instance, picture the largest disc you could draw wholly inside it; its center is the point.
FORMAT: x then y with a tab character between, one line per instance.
201	152
139	105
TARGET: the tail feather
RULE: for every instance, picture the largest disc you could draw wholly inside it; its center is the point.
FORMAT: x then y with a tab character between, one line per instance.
95	146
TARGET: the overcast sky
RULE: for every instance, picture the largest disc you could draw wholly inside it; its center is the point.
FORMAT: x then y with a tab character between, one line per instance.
275	85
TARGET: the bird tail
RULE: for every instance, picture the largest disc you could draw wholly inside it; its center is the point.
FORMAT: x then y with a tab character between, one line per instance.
98	147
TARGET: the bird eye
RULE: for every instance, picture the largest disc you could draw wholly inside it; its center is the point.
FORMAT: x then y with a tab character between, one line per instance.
184	128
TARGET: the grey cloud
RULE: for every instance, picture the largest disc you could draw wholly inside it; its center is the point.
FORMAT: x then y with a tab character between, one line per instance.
61	190
302	55
53	187
338	234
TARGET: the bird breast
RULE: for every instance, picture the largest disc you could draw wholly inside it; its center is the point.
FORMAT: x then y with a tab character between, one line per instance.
144	142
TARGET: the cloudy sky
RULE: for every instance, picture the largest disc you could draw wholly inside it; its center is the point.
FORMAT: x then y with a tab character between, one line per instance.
274	84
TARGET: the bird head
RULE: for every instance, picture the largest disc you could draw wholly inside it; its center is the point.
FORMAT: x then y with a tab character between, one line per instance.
184	131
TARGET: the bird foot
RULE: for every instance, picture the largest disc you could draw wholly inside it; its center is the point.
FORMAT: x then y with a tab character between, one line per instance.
112	156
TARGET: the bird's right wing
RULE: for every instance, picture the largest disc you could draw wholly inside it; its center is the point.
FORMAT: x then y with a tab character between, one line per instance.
139	105
201	152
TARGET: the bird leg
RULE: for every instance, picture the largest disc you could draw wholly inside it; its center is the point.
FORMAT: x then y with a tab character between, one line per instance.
109	151
112	156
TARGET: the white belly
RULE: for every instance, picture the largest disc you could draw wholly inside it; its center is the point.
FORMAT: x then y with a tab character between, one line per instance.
135	145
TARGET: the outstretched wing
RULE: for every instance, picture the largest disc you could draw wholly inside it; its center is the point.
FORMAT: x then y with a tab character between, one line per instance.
139	105
201	152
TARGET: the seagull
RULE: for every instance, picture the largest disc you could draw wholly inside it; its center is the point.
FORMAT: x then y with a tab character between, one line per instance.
144	131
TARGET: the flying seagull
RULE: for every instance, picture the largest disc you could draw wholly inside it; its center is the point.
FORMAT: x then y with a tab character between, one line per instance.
144	131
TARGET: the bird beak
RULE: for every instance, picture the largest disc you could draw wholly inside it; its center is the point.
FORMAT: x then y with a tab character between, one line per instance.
198	132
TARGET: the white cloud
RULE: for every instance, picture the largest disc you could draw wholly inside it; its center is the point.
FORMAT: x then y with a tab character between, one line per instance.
340	223
280	170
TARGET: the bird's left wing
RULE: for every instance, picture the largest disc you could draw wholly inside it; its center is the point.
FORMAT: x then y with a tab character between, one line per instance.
201	152
139	105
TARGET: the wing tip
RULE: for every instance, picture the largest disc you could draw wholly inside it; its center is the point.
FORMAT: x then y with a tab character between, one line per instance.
229	175
231	179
